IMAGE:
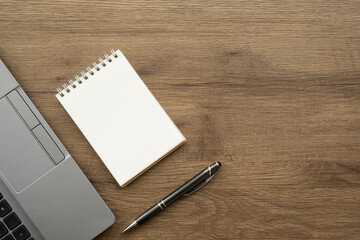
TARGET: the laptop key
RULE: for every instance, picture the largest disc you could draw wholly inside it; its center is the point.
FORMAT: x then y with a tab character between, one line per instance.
3	230
9	237
21	233
12	221
4	208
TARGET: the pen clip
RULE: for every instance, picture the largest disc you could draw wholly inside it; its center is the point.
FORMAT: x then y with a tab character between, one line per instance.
198	187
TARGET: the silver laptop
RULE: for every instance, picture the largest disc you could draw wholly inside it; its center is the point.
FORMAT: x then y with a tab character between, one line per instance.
43	192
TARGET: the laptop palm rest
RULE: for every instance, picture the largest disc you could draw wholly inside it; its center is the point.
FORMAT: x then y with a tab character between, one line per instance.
24	160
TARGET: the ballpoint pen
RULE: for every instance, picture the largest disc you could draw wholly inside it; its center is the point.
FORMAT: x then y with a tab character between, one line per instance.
184	190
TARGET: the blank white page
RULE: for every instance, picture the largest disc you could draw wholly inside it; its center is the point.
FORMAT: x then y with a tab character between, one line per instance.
121	119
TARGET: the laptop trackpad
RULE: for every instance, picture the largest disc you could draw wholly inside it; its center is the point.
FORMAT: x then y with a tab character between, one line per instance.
22	160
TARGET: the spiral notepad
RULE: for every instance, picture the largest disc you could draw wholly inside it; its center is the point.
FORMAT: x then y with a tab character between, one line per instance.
119	117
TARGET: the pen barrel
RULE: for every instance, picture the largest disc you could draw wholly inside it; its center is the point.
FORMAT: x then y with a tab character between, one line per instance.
183	189
149	214
191	185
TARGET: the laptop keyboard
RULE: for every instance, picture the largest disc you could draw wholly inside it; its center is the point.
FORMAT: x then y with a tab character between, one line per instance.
10	224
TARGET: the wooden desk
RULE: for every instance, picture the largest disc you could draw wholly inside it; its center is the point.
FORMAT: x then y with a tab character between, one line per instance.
271	89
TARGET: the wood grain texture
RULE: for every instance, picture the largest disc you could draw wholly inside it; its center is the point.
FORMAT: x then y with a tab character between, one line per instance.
269	88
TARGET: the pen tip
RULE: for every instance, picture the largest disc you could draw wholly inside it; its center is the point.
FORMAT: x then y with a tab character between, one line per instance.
128	228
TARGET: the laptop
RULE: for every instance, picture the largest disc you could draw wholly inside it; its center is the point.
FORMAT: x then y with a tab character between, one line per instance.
43	192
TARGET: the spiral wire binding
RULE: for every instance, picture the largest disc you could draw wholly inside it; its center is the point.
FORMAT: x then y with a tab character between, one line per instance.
102	62
89	70
83	74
